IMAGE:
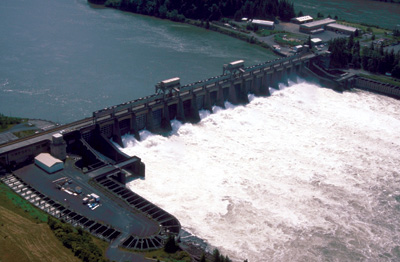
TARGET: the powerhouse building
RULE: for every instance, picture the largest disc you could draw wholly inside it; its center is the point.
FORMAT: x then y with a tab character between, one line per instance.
316	26
344	29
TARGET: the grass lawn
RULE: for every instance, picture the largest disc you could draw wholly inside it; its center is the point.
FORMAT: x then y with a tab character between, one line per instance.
375	30
265	32
18	205
382	78
180	256
8	122
160	254
24	235
289	39
24	133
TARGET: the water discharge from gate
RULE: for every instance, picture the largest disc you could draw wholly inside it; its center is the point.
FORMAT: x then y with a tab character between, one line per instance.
307	174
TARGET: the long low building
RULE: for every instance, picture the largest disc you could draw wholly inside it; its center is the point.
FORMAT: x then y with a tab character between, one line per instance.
315	26
348	30
263	23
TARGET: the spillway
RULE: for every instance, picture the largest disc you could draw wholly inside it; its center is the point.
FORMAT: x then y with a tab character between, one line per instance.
307	174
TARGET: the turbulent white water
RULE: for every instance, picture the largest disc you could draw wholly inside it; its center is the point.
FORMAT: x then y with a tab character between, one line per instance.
307	174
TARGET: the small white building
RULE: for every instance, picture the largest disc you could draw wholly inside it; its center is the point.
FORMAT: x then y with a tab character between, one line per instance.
49	163
316	41
302	19
263	24
298	48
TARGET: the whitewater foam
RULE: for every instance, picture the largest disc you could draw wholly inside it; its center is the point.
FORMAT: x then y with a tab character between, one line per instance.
306	174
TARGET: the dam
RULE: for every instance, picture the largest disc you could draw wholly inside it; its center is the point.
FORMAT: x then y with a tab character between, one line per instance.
101	160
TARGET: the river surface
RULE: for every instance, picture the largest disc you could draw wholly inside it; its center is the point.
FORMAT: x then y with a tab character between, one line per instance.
370	12
307	174
62	59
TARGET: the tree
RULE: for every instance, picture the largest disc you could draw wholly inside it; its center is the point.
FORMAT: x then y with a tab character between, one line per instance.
203	258
396	71
171	245
350	42
216	256
309	41
300	14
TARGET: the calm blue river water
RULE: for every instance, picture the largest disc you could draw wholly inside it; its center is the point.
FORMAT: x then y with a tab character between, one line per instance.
62	60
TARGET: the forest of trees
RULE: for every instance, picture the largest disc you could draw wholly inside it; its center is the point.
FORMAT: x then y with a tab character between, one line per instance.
373	59
207	10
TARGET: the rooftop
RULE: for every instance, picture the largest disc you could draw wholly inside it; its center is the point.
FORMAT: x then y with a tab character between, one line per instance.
319	23
262	22
316	40
303	18
343	27
47	159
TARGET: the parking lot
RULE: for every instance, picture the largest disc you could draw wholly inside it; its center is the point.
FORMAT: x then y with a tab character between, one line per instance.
108	212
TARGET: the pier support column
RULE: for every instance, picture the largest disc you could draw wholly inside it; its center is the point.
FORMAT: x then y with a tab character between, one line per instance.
207	101
285	77
242	96
275	80
165	120
292	73
264	88
150	120
180	114
117	132
232	94
133	128
220	97
194	111
255	88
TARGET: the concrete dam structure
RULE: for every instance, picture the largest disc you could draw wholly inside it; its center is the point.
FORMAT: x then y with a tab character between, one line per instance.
87	145
183	103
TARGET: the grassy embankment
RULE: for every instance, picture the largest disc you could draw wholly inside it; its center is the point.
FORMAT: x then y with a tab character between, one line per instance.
7	122
289	39
241	35
24	233
161	255
376	31
382	78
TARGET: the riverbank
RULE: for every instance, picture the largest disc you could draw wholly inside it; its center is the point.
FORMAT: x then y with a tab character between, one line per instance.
23	127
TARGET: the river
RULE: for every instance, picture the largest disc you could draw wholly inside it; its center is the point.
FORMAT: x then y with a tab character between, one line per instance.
62	60
307	174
